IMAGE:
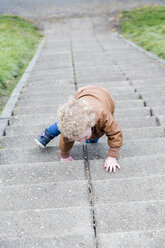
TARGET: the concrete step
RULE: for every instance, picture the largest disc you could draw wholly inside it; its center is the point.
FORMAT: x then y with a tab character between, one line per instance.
47	89
58	76
148	82
37	129
123	57
159	110
154	101
41	173
49	119
100	67
85	63
44	196
42	103
149	66
110	84
94	79
142	86
53	64
69	241
136	166
130	148
38	86
44	223
97	59
139	133
136	122
151	92
23	139
44	93
129	112
155	94
135	239
133	189
53	71
58	58
101	70
109	75
68	85
138	111
155	87
144	74
56	101
128	217
36	155
31	120
161	119
95	151
56	81
24	130
51	97
47	172
47	65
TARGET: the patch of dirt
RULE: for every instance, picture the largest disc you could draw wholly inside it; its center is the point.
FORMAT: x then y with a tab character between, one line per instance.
3	101
114	22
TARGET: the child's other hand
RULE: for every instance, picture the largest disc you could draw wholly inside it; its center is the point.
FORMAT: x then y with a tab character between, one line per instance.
67	159
111	165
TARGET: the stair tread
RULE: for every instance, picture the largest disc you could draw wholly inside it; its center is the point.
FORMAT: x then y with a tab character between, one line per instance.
46	222
43	172
95	151
136	239
132	216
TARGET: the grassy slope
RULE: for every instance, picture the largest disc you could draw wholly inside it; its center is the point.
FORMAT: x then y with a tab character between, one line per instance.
18	42
146	27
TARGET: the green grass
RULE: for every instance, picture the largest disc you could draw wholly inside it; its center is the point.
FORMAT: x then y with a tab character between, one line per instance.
146	27
18	42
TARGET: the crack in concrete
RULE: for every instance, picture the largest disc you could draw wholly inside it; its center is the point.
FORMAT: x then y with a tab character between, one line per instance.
90	191
86	162
73	65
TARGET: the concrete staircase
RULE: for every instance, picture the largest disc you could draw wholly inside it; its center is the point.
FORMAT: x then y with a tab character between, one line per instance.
46	203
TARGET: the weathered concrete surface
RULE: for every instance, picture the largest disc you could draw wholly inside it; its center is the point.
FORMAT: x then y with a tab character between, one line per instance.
134	167
46	203
45	195
49	119
21	137
134	239
32	155
69	241
108	192
138	111
119	218
131	148
46	223
38	173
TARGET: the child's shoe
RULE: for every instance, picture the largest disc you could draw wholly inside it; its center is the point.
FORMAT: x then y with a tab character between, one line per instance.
43	139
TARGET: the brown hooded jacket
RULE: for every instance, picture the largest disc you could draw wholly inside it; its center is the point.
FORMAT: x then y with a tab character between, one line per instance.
103	106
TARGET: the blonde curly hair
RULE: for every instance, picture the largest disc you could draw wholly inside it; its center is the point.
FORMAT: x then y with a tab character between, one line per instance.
74	118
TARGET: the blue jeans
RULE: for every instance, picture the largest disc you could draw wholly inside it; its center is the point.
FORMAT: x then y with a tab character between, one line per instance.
54	131
92	141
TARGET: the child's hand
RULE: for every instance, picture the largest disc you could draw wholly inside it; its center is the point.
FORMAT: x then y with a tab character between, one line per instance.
111	164
67	159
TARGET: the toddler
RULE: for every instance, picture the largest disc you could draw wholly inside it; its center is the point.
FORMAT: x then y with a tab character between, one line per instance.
86	118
